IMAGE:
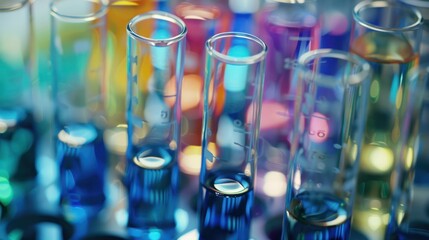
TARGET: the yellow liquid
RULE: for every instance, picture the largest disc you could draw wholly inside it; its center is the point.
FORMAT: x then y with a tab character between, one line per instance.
393	61
120	13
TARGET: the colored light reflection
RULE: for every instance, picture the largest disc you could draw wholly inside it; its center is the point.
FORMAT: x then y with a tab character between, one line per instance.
273	115
236	75
376	158
372	223
319	128
190	160
116	139
192	92
274	184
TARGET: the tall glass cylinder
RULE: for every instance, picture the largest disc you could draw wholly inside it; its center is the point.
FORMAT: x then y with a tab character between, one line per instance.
234	74
407	220
118	16
290	29
78	41
155	62
204	18
422	161
387	34
18	136
329	117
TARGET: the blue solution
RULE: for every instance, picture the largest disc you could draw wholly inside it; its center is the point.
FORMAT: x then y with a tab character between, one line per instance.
226	201
82	158
152	180
316	215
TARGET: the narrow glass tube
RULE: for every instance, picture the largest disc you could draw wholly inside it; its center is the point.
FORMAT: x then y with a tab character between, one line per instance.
234	74
155	62
18	136
78	41
329	117
204	18
115	136
290	28
386	34
407	220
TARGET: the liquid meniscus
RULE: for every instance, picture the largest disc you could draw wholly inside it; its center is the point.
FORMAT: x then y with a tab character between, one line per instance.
227	200
316	215
152	179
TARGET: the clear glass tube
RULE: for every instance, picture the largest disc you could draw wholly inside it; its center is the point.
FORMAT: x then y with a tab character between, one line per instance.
18	134
155	62
234	74
329	116
423	7
203	19
118	16
290	29
388	35
407	220
78	41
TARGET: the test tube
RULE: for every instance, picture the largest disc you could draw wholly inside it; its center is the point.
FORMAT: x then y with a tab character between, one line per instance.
18	136
234	74
204	18
155	62
290	28
388	35
422	158
330	105
78	41
408	221
118	16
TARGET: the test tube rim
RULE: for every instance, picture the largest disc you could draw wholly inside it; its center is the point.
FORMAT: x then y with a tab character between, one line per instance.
237	60
158	15
14	6
417	3
353	79
80	18
383	4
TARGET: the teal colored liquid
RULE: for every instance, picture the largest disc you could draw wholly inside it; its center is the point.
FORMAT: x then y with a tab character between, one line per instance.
17	144
226	204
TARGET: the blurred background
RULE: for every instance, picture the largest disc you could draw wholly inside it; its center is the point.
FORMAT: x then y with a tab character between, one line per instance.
30	200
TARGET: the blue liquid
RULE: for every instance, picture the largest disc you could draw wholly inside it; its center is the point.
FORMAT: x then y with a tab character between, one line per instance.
82	157
316	215
17	144
152	179
226	204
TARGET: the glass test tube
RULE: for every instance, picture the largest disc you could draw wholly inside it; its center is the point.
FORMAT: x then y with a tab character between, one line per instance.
387	34
155	62
118	16
18	136
330	105
408	221
234	74
290	29
78	41
422	161
203	19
